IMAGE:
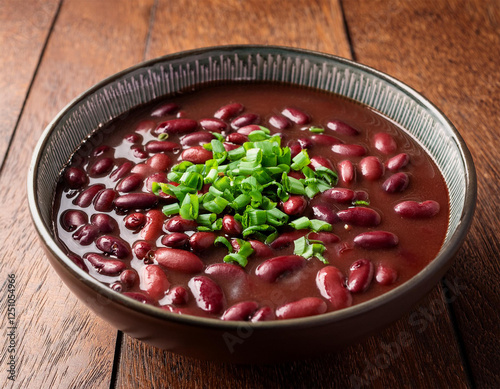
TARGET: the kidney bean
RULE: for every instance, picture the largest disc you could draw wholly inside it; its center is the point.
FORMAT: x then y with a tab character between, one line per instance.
75	178
330	283
242	311
145	126
415	210
230	146
260	249
397	162
86	234
139	152
85	198
294	150
295	115
155	281
129	278
122	171
346	171
105	223
322	140
141	248
349	150
176	240
272	268
197	138
100	150
230	226
129	183
246	130
322	212
308	306
237	138
201	240
361	195
154	225
317	161
135	221
295	205
360	216
360	276
280	122
213	125
339	195
177	295
376	240
245	120
101	166
196	155
113	245
263	314
396	183
136	201
142	169
103	202
305	143
177	126
159	162
295	174
371	168
228	111
181	114
207	293
326	237
286	239
341	128
133	138
141	297
179	224
72	219
105	266
386	275
226	271
161	146
164	110
384	143
179	260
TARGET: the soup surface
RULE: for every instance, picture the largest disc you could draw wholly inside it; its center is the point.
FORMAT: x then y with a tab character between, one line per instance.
251	201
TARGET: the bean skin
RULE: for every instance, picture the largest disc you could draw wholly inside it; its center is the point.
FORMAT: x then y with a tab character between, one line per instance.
245	120
260	250
384	143
105	223
139	152
396	183
371	168
294	150
202	240
129	183
326	237
360	276
341	128
317	161
230	226
121	171
228	111
105	266
159	162
286	239
263	314
248	129
72	219
103	202
230	146
360	216
178	295
295	205
101	166
164	110
179	260
179	224
155	281
330	283
339	195
154	225
226	271
136	201
85	198
376	240
237	138
207	293
86	234
161	146
322	212
397	162
322	139
386	275
135	221
308	306
346	172
141	249
129	278
416	210
272	268
176	126
242	311
75	178
349	150
280	122
113	245
296	115
213	125
176	240
197	138
196	155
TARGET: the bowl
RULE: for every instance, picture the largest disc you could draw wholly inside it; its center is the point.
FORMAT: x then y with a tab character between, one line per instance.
244	342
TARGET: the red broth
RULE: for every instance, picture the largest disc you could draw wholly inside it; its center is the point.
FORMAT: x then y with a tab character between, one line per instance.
389	210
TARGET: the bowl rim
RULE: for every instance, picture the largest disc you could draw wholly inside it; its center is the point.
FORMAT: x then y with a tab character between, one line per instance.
438	265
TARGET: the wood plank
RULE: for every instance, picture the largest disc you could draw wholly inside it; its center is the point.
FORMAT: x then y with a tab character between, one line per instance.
316	25
24	27
449	50
60	343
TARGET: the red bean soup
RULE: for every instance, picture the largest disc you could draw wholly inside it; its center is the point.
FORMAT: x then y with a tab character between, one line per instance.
251	201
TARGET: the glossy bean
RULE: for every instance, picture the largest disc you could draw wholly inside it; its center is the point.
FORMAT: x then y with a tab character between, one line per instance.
136	201
179	224
360	216
207	293
341	128
339	195
242	311
416	210
179	260
386	275
296	115
346	171
371	168
113	245
121	171
141	297
177	296
396	183
135	221
85	198
272	268
133	138
317	161
101	166
322	212
360	275
260	250
263	314
139	152
154	281
129	183
305	143
72	219
230	146
308	306
202	240
161	146
100	150
248	129
224	272
397	162
213	125
197	138
86	234
176	240
279	121
105	266
384	143
105	223
376	240
326	237
237	138
141	249
164	110
159	162
154	225
322	140
177	126
294	149
330	283
129	278
228	111
75	178
295	205
245	119
196	155
349	150
103	201
286	239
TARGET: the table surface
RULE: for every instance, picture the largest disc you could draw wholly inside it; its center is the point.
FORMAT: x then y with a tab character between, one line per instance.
52	50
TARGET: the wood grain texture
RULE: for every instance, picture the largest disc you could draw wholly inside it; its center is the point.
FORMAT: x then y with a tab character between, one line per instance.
24	27
60	343
450	51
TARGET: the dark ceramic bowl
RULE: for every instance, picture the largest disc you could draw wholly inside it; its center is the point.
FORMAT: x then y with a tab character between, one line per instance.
265	341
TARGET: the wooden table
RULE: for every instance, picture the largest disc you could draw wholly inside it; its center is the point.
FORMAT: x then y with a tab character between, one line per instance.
52	50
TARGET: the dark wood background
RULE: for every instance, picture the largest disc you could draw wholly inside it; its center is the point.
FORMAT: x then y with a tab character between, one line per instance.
52	50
